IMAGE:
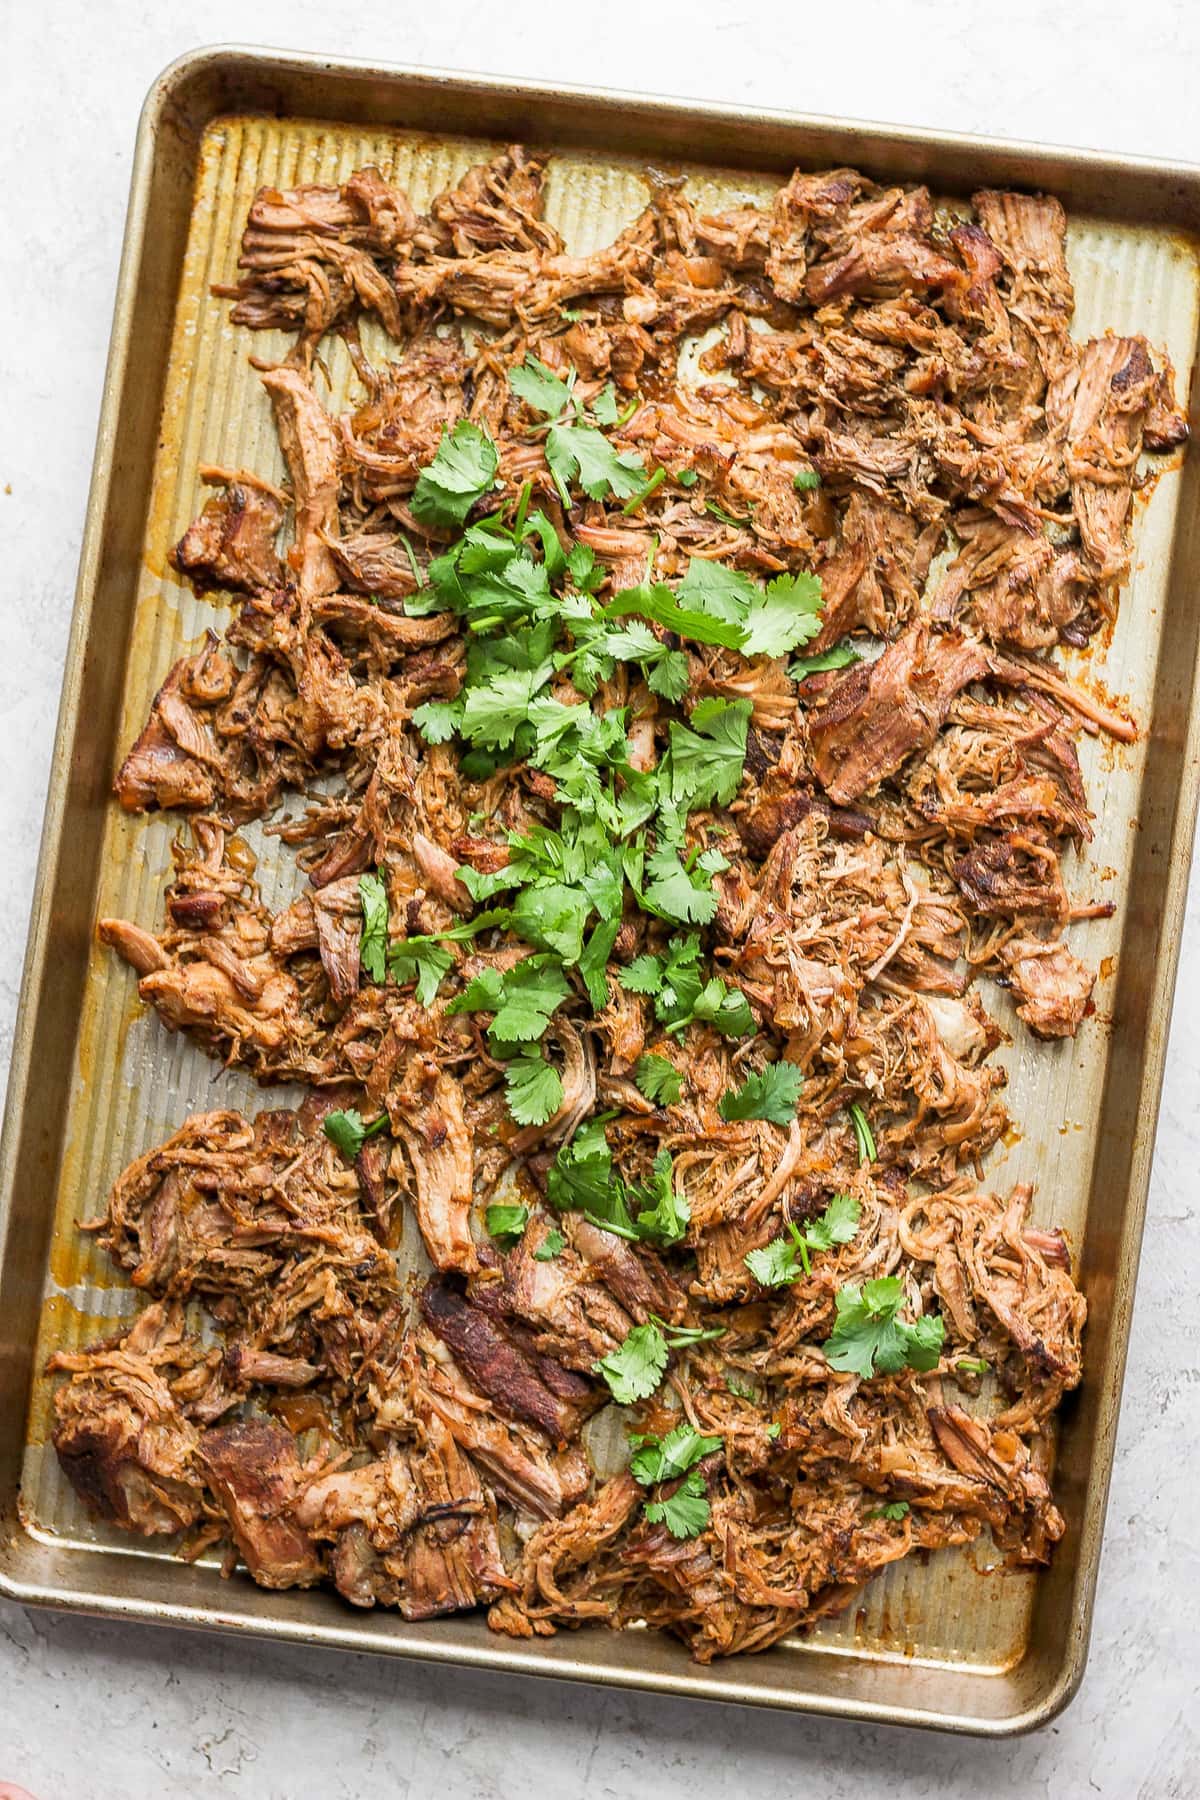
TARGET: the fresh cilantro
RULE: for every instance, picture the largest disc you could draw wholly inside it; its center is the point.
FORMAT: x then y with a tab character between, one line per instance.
643	494
658	1079
687	478
506	1224
785	613
522	999
864	1137
581	1180
347	1131
895	1509
604	406
842	656
706	758
461	473
869	1338
540	388
776	1265
657	602
715	588
550	1246
806	480
644	975
492	714
686	1512
551	915
534	1087
682	995
425	962
665	1458
741	1389
773	1430
580	452
438	720
634	1369
772	1094
593	960
974	1365
679	891
373	945
718	512
660	1213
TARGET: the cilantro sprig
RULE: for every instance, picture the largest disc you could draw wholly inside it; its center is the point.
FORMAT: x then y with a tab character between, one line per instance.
869	1338
686	1511
634	1370
776	1264
461	472
772	1094
347	1131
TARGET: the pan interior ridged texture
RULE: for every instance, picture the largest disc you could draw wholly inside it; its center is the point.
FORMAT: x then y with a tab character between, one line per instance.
134	1083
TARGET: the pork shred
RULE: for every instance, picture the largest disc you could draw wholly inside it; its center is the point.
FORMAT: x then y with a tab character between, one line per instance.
889	396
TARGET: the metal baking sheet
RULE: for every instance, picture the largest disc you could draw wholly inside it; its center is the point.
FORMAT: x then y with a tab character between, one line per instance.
953	1642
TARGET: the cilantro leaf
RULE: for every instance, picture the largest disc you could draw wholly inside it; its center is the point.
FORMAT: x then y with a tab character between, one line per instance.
706	759
864	1137
895	1509
662	1214
838	1224
593	961
658	1079
806	480
657	602
784	614
713	587
438	720
604	406
425	962
552	915
462	471
687	1511
550	1246
772	1094
534	1087
664	1458
372	949
540	388
679	892
506	1224
773	1430
493	713
347	1131
972	1365
522	999
775	1264
583	453
634	1369
580	1179
869	1338
644	975
842	656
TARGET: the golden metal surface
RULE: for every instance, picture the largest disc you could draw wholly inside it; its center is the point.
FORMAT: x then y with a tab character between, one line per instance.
95	1080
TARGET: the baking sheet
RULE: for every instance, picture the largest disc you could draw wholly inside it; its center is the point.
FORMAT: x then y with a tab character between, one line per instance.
131	1082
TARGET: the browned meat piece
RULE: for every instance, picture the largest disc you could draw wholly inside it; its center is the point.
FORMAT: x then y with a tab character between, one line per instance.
499	1368
1166	426
434	1132
1030	232
174	759
232	543
311	252
121	1438
638	1280
575	1319
375	563
874	580
1013	874
453	1560
1015	588
337	915
312	450
1117	387
881	712
253	1470
496	206
1054	988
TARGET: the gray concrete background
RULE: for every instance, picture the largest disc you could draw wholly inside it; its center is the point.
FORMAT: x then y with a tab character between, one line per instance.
91	1711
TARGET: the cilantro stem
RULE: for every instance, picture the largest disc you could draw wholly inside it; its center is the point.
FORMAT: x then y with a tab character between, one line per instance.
624	418
863	1135
801	1243
412	560
718	512
522	509
643	494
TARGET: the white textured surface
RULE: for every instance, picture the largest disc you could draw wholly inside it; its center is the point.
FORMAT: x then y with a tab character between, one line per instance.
87	1710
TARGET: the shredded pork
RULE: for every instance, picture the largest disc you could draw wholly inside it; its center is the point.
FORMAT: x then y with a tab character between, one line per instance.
890	399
